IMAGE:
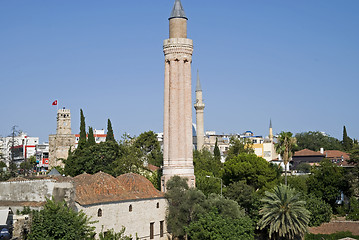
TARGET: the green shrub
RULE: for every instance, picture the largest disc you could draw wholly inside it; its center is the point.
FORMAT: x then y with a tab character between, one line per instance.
353	210
320	210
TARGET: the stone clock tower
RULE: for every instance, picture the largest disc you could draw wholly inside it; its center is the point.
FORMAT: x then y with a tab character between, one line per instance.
177	124
60	143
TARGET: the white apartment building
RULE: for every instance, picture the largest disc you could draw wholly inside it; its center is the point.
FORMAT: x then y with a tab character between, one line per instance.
21	146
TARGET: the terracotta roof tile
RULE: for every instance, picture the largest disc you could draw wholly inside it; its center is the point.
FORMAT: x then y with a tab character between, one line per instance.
152	168
307	152
102	187
338	157
139	186
336	226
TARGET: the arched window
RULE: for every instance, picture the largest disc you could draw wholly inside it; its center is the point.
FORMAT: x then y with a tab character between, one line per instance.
158	205
99	212
130	208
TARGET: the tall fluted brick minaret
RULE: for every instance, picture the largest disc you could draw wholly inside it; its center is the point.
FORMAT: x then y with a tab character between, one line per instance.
177	124
199	106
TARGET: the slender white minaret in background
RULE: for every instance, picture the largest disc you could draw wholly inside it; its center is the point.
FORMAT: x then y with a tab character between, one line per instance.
270	131
199	106
177	123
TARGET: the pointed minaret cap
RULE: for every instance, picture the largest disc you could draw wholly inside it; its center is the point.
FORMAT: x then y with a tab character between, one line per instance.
177	11
270	123
198	85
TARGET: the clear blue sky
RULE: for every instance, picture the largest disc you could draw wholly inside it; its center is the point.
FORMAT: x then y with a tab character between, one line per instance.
296	62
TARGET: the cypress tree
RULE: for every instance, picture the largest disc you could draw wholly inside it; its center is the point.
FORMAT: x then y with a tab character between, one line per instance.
82	139
110	136
91	139
216	152
347	141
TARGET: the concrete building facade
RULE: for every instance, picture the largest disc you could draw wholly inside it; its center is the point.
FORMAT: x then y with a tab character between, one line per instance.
177	123
19	148
63	140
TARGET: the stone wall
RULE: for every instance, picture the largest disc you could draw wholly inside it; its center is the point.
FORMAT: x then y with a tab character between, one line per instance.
33	193
59	146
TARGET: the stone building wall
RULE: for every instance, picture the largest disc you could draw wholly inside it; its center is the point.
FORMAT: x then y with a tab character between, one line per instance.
33	193
59	146
118	214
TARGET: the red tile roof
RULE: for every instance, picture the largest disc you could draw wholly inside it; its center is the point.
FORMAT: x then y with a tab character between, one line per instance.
307	152
336	154
102	187
152	168
338	157
336	226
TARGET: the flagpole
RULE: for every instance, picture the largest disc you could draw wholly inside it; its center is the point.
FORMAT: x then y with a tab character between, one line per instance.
57	105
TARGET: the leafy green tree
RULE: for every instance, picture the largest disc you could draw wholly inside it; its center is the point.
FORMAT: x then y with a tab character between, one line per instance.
82	140
255	171
92	159
26	166
347	141
353	173
284	213
91	138
303	168
246	197
327	181
4	175
320	210
285	147
225	207
204	161
314	140
130	158
110	136
207	183
183	205
216	152
2	165
299	183
238	146
353	209
58	221
212	225
112	235
150	147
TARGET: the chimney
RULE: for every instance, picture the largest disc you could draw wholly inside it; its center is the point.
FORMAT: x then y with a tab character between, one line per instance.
322	150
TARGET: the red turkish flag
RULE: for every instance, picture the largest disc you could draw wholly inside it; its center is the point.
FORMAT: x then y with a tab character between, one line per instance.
54	103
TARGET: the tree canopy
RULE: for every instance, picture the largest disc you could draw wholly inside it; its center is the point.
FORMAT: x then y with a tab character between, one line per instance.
82	139
191	214
347	141
238	146
255	171
110	136
58	221
314	140
327	181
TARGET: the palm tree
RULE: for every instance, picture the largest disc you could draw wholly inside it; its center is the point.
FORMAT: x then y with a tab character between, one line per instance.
284	213
284	147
